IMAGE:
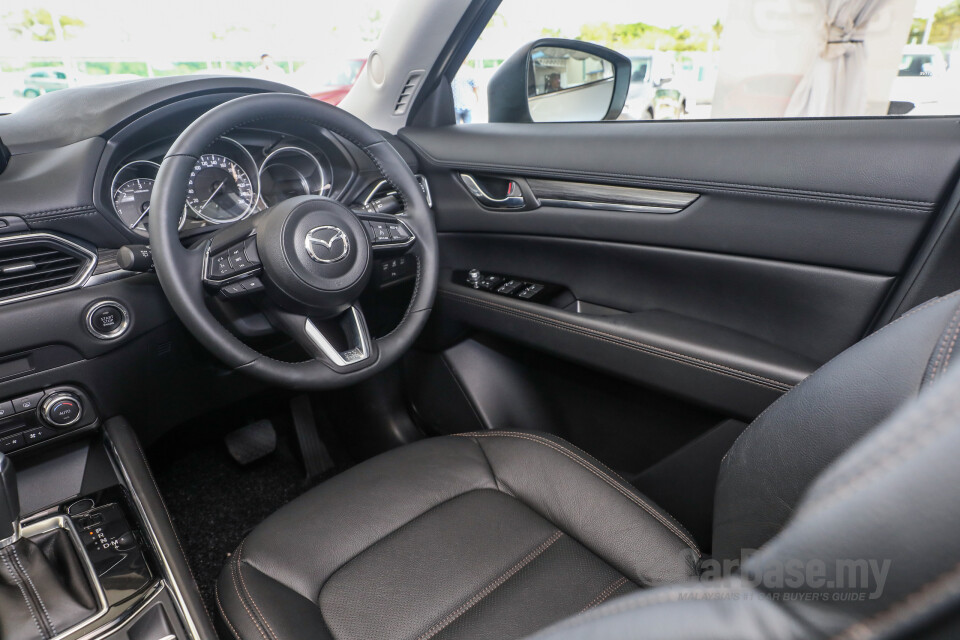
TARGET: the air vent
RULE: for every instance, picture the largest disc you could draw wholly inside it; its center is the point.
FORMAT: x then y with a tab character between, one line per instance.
38	264
407	93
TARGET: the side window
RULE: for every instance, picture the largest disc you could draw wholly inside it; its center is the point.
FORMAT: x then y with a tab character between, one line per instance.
703	59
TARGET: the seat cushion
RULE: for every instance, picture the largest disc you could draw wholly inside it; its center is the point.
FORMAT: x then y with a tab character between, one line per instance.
486	535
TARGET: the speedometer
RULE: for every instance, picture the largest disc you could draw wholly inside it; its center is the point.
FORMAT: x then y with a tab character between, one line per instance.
219	190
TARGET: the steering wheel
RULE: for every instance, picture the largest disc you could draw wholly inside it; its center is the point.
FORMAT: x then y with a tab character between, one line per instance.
311	255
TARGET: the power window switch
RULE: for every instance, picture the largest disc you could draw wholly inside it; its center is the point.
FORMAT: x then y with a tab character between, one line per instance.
509	287
530	291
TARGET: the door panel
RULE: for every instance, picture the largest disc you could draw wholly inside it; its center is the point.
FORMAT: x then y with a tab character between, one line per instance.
789	239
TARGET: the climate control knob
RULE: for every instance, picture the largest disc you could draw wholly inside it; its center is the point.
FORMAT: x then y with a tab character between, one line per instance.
61	410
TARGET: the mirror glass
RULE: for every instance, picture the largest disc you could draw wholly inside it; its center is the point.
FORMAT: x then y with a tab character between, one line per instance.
566	85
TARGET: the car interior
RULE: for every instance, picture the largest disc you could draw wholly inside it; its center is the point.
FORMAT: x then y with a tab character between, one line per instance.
274	369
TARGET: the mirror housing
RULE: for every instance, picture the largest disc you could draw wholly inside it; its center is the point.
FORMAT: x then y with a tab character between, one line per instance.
518	93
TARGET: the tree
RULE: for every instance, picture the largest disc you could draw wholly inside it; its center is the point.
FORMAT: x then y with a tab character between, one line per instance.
38	25
946	24
640	35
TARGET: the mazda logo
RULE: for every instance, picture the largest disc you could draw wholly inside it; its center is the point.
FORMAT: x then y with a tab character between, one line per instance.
327	244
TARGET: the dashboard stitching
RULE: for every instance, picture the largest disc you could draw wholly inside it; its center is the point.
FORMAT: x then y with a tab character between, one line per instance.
43	212
63	216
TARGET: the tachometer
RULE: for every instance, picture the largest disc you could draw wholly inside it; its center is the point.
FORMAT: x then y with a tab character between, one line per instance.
131	191
132	201
219	190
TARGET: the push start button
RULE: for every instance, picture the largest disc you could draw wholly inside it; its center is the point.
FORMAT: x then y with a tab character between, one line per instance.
107	320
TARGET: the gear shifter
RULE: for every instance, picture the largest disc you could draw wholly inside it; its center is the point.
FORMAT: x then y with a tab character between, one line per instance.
44	590
9	503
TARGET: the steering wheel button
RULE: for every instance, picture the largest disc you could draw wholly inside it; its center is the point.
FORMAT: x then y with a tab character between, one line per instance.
221	266
233	290
250	251
252	285
238	261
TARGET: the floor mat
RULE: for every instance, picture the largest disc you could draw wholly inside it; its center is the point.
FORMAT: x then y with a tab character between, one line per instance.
213	501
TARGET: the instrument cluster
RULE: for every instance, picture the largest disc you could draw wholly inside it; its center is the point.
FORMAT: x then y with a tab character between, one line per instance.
227	184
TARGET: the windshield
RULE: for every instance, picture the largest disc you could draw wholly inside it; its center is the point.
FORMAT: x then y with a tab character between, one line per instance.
49	45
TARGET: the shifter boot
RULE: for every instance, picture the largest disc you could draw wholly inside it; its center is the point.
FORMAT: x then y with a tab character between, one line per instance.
43	588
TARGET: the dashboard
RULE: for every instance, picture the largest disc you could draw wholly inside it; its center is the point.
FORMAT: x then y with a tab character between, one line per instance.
77	188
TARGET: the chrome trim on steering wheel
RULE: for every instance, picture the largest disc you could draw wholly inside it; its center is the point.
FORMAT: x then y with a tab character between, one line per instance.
346	358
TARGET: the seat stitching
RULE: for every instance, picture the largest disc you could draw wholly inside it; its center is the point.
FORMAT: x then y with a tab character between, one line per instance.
587	464
490	588
236	586
223	613
23	591
250	595
390	533
597	472
955	326
713	367
606	593
33	587
904	444
928	595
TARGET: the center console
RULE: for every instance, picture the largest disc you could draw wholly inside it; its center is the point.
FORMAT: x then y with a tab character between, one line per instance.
87	551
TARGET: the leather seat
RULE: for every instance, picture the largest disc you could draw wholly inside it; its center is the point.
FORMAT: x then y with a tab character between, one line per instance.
500	534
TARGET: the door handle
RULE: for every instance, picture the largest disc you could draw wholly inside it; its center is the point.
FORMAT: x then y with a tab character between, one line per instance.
513	200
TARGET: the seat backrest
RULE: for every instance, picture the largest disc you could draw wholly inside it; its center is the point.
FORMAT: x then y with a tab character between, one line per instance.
765	473
871	551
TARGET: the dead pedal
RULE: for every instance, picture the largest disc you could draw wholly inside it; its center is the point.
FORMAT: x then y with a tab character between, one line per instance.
252	442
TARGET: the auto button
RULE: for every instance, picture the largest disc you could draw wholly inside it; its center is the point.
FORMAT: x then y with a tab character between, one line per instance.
61	410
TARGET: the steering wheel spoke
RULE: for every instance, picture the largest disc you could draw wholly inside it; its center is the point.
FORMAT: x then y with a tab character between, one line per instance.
387	234
343	342
231	263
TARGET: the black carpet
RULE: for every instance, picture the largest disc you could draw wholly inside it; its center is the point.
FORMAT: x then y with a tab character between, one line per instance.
214	501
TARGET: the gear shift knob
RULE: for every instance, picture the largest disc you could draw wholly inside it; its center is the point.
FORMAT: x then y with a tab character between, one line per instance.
9	503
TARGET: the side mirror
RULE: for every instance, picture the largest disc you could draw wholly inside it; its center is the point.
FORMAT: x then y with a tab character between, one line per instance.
556	80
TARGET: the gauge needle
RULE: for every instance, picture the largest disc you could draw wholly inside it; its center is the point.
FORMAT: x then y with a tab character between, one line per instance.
142	216
215	192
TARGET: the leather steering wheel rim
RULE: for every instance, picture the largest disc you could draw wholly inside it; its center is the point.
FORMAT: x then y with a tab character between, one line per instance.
180	268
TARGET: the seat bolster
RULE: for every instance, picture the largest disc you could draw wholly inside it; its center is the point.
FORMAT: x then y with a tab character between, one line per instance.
254	606
776	458
591	503
303	543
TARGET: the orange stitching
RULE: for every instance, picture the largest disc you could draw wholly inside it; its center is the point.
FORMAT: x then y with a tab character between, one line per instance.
589	467
490	588
236	586
223	613
862	628
953	343
606	593
247	591
943	345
